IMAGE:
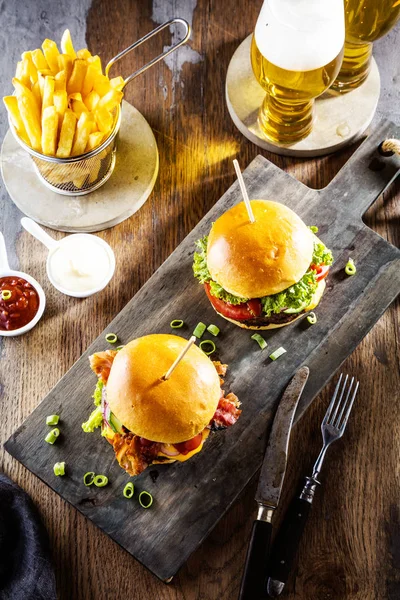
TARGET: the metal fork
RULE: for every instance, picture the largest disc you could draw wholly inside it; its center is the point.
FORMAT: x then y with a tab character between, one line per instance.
289	535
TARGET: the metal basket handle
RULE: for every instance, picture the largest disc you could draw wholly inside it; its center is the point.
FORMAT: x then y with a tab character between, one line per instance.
144	39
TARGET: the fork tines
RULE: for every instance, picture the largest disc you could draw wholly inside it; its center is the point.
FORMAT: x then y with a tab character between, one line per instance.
339	422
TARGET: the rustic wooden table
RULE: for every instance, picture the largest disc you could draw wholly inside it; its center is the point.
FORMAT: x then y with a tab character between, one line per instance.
351	548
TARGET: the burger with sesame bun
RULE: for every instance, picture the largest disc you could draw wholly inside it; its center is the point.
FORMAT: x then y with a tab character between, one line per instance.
262	274
148	419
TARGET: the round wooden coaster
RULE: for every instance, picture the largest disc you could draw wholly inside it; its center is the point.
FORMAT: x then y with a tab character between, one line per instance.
124	193
339	119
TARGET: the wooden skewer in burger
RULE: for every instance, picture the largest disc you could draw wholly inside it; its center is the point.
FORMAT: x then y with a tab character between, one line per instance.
261	266
158	400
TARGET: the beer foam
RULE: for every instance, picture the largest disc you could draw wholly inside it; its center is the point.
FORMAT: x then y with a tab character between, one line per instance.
300	35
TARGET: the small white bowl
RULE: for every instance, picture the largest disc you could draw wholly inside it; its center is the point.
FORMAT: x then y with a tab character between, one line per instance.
107	278
42	302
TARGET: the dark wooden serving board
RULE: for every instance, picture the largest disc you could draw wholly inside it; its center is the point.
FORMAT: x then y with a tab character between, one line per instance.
191	497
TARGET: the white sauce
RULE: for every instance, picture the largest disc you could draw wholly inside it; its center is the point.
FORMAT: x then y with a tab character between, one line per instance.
300	35
79	264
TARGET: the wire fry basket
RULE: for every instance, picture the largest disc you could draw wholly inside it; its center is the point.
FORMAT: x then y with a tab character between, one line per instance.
79	175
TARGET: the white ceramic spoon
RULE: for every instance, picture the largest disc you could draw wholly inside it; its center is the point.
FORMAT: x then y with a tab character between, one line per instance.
5	271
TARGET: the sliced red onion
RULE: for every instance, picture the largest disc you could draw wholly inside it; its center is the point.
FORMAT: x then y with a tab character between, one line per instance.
105	409
165	449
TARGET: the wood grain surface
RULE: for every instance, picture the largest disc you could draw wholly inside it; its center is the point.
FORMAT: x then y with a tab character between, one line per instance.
351	549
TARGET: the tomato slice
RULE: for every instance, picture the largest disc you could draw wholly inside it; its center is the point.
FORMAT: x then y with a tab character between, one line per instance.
321	270
189	445
238	312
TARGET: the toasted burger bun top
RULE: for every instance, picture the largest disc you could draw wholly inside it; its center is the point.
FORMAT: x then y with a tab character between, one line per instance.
169	411
258	259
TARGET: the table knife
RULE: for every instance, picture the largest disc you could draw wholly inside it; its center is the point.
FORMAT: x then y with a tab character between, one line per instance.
253	586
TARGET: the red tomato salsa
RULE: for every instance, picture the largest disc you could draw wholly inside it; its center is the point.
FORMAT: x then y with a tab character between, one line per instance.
19	303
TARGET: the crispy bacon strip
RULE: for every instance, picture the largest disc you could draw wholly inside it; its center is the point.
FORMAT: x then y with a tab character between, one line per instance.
101	363
227	412
134	453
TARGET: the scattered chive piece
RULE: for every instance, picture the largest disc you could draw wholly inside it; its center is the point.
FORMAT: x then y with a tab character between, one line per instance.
145	499
199	330
5	294
312	318
118	348
176	324
129	490
111	338
213	329
59	469
52	436
313	228
52	420
208	343
88	478
260	340
350	268
100	480
277	353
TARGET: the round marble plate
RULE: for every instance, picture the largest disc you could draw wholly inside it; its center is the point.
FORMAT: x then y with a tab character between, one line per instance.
339	119
124	193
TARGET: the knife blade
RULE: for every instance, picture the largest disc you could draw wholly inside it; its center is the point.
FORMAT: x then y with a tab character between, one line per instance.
269	489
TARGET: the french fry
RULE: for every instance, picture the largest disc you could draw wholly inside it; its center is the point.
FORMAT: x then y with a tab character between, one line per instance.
11	104
51	54
65	64
117	83
75	96
39	60
75	82
104	120
30	66
38	96
78	107
49	130
84	53
95	61
23	90
79	181
94	171
94	140
28	111
101	85
91	100
61	104
83	130
22	73
60	82
67	134
111	99
89	80
67	46
48	92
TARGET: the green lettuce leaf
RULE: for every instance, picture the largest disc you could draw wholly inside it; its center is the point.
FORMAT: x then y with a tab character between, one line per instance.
98	392
94	421
295	297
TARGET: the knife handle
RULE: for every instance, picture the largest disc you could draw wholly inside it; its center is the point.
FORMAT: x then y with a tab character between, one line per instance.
255	570
288	539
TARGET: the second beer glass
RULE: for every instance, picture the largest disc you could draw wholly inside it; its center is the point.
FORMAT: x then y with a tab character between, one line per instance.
296	53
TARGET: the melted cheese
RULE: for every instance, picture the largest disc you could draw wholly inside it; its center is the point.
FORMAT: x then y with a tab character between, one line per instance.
317	295
183	457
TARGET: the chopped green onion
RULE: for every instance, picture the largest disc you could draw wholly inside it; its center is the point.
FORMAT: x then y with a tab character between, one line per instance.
176	324
129	490
350	268
208	343
88	478
260	340
52	436
145	499
312	318
6	294
118	348
277	353
199	330
111	338
213	329
313	228
52	420
100	480
59	469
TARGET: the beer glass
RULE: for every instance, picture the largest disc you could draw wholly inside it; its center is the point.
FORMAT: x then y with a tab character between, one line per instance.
366	21
296	53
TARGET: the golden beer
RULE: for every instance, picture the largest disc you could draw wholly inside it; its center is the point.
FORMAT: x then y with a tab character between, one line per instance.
366	21
296	53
